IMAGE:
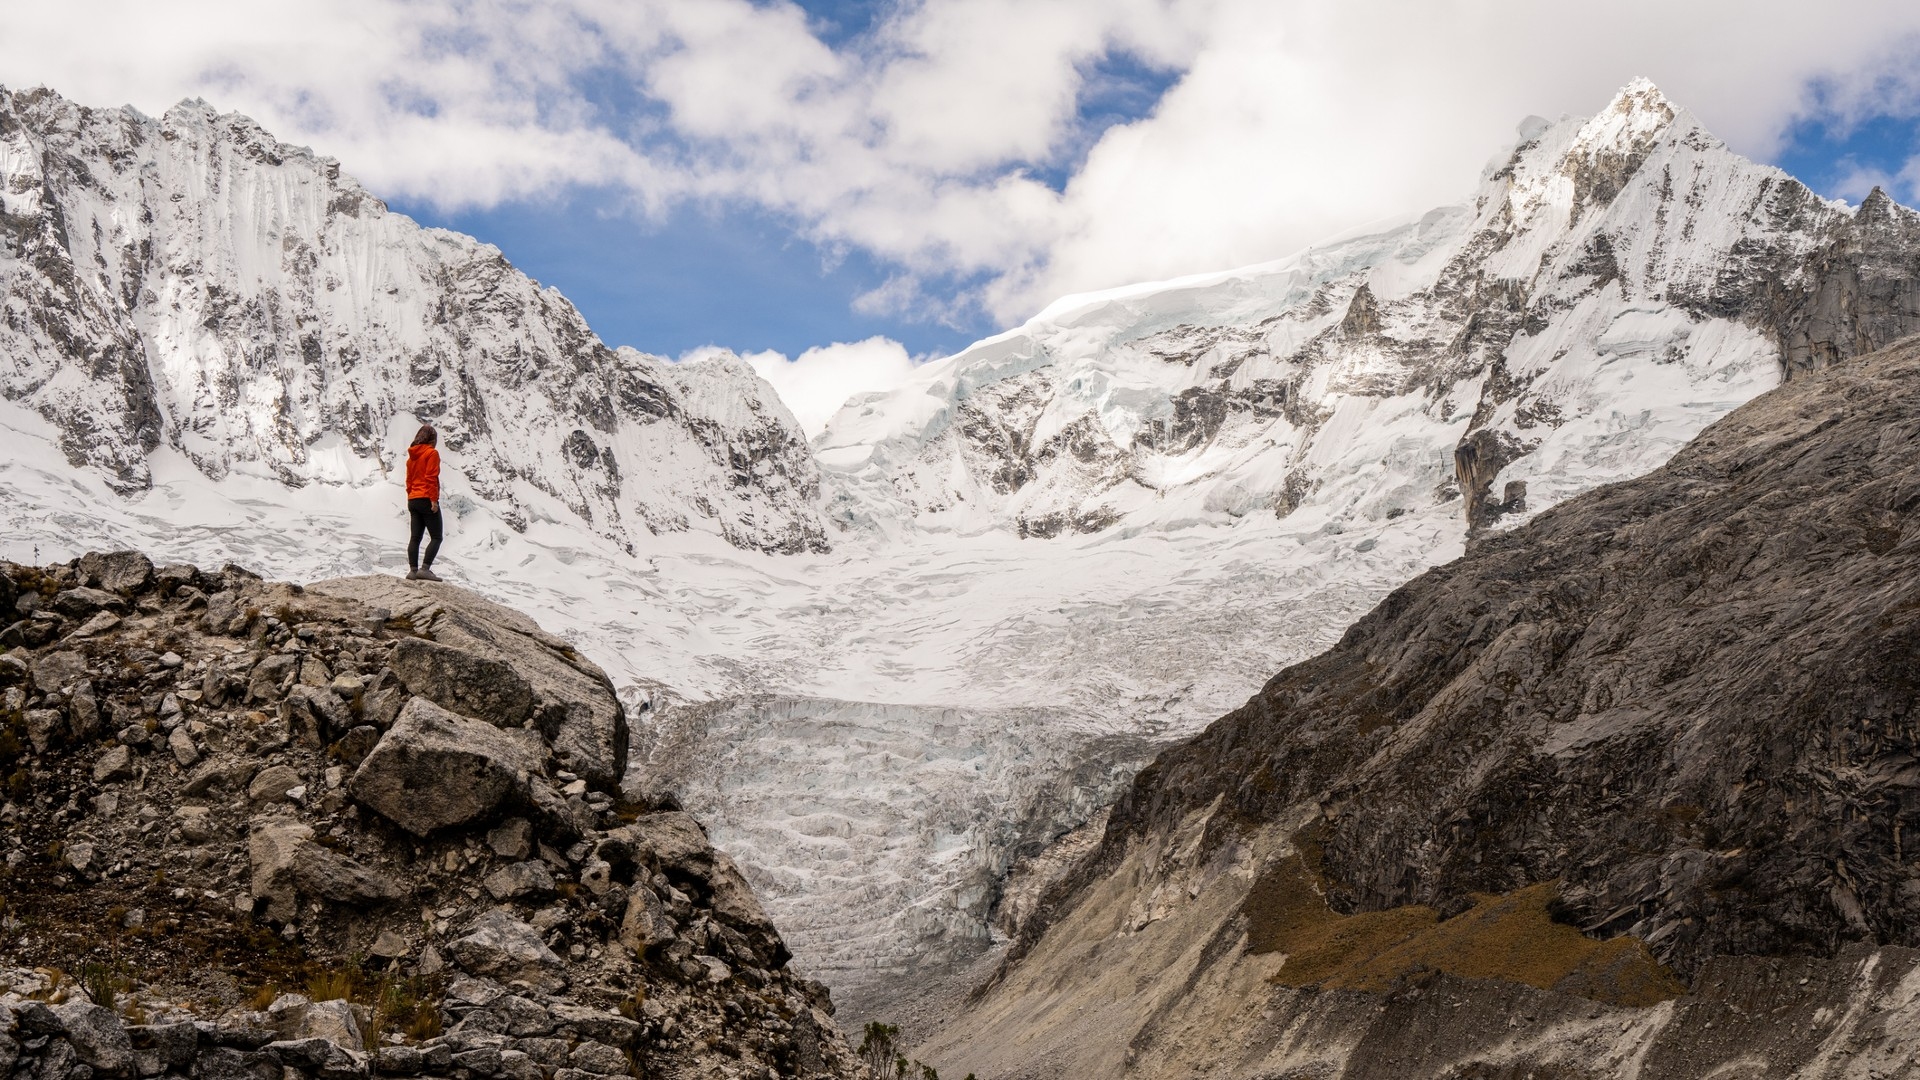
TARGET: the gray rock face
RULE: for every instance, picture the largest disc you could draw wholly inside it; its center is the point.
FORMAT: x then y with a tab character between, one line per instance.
528	879
672	843
83	601
435	769
97	1036
331	884
117	572
1858	293
504	947
475	686
574	706
1650	692
288	864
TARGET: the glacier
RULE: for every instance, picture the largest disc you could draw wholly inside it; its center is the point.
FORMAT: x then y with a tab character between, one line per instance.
890	668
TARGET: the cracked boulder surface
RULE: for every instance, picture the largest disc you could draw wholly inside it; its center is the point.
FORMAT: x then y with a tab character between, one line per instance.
1682	706
367	826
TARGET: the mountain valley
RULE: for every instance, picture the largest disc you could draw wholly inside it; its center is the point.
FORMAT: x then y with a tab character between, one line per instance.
890	668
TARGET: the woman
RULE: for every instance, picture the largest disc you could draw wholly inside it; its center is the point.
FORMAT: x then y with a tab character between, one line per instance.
423	501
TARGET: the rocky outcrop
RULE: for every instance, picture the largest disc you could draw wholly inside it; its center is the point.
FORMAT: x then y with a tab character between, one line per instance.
1858	292
252	844
1674	718
435	769
494	664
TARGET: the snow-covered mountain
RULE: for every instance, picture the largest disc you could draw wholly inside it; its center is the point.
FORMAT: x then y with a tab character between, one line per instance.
1615	284
1047	555
192	284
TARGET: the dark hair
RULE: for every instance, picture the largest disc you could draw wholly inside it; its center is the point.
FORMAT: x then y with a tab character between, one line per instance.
426	436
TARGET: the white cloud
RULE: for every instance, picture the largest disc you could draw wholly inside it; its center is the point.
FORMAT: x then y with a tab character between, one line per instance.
919	141
1857	181
817	382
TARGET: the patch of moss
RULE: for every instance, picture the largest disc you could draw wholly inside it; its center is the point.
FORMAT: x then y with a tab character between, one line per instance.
1510	937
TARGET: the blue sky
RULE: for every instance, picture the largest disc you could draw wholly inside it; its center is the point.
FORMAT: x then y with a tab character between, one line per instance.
737	276
909	175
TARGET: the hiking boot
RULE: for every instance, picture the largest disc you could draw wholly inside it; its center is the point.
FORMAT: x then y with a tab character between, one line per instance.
425	574
413	575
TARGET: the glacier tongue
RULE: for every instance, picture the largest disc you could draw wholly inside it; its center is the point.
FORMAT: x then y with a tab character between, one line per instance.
1049	553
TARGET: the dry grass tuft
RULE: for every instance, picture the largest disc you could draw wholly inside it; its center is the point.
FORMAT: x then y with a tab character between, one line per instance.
1510	937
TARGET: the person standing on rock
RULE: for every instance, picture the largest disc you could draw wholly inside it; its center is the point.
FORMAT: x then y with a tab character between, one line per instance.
423	501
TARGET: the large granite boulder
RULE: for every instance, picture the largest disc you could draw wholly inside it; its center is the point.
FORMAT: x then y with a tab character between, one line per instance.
287	863
501	946
436	768
117	571
469	684
574	704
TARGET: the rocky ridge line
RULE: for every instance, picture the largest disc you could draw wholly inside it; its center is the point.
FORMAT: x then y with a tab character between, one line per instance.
363	827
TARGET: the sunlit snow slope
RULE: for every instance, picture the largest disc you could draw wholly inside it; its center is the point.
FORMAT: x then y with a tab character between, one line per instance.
1048	554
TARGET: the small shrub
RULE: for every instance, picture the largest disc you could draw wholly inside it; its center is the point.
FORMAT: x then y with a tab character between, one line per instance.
425	1025
334	985
262	997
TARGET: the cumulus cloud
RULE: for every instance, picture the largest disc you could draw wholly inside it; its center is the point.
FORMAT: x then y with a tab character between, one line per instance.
924	141
817	382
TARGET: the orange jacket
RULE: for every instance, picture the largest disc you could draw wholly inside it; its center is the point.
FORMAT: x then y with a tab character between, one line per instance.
423	473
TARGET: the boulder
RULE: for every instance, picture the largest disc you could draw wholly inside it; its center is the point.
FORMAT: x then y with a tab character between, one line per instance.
573	701
182	747
81	601
599	1025
658	840
646	922
224	615
502	946
272	676
172	1045
46	728
119	571
436	768
229	1063
115	764
98	1037
356	744
389	946
323	706
197	824
516	1016
272	783
471	685
522	879
57	670
288	864
600	1058
176	575
333	1021
512	838
83	712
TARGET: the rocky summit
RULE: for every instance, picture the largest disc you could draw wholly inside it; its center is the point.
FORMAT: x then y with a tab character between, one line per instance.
1627	791
367	826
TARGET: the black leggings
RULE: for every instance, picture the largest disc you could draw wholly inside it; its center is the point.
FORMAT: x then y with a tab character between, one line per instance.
427	519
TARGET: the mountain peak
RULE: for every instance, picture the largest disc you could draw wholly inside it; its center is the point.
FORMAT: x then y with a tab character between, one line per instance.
1641	95
1635	115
